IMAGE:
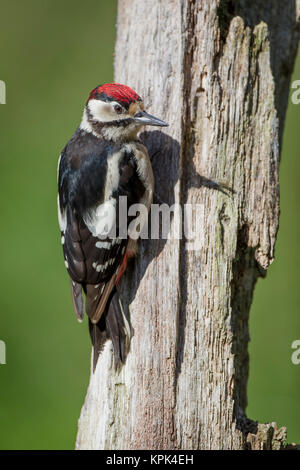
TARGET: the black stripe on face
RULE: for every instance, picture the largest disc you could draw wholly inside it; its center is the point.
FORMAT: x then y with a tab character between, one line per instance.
98	126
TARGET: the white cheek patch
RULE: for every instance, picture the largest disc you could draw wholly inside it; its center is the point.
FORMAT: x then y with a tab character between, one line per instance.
101	222
101	111
104	112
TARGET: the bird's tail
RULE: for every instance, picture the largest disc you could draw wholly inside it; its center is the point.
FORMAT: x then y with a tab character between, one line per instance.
113	325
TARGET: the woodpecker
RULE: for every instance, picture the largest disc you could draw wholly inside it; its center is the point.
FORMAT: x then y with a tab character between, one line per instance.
103	160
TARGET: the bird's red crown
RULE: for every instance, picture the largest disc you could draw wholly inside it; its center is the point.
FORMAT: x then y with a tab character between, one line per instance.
115	91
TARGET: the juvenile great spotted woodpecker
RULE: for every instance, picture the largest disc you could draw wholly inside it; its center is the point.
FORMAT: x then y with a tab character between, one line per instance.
103	161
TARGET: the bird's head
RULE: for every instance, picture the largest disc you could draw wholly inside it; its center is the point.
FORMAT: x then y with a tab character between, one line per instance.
116	112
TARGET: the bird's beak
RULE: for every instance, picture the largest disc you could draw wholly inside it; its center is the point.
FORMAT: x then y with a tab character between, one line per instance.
146	119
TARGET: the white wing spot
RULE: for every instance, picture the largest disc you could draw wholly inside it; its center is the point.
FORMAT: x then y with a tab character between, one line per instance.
105	245
102	267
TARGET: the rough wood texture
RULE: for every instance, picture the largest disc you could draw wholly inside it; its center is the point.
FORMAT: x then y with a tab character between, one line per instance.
218	72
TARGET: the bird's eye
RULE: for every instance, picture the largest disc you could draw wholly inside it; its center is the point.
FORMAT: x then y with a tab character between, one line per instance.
118	108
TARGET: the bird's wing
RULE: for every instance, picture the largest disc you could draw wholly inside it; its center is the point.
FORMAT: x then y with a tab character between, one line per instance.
92	258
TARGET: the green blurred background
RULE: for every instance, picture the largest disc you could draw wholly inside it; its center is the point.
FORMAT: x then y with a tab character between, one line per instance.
51	54
274	384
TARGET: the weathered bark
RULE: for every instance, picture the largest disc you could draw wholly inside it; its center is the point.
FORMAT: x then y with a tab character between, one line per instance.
218	72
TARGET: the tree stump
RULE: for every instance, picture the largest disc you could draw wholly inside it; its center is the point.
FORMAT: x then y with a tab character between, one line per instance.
218	72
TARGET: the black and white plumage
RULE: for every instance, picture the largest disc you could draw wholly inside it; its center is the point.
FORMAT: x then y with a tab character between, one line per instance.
103	162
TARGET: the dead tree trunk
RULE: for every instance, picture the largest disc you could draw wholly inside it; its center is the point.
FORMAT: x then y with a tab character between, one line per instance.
218	71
